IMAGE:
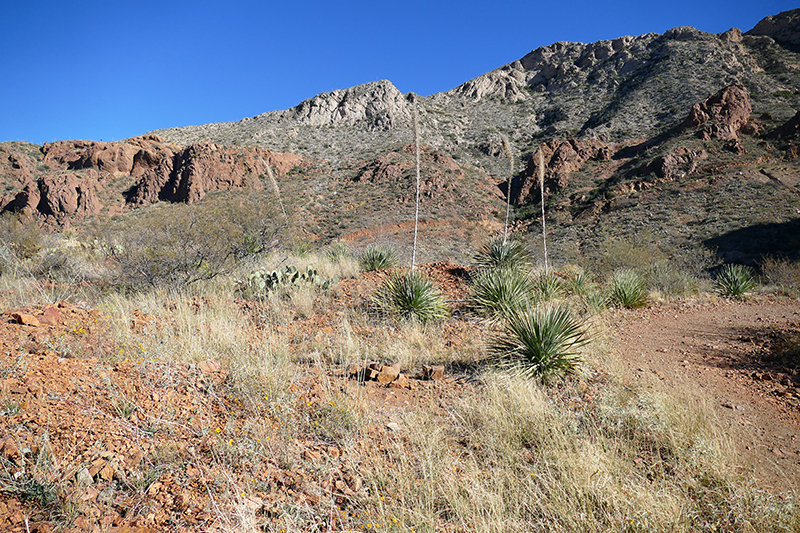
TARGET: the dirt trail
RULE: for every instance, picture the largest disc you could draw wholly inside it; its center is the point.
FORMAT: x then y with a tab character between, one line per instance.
725	353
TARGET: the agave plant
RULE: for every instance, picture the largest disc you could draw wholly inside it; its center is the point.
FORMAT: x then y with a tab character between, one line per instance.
734	281
503	253
541	343
496	293
628	289
409	294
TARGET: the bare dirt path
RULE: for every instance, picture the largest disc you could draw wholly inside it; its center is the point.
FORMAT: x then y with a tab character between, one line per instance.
736	357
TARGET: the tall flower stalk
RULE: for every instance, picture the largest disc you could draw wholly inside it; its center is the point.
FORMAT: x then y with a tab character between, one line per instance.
507	149
416	208
544	225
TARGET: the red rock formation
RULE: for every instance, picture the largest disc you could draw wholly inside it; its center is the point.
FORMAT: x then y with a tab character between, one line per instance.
163	171
437	170
64	195
721	115
560	159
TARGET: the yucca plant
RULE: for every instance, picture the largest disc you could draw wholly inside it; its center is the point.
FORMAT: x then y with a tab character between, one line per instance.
408	294
337	252
540	343
496	293
503	253
378	258
579	283
628	289
734	281
549	287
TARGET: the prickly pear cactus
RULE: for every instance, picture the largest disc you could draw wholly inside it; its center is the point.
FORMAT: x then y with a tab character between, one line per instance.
262	283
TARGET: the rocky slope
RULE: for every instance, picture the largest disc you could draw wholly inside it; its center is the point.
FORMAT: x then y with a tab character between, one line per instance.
689	136
630	87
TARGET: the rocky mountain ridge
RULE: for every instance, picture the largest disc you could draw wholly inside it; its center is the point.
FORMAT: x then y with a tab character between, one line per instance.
615	90
624	127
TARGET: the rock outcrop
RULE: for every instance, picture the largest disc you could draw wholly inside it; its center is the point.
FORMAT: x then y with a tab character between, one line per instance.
64	195
78	173
379	105
721	115
437	171
676	164
560	159
784	28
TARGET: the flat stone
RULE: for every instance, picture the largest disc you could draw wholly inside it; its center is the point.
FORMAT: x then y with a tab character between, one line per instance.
26	320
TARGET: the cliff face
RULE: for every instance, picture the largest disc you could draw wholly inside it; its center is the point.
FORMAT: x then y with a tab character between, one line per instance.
67	179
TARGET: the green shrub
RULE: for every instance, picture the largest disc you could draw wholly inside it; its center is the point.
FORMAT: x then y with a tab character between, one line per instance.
336	252
174	246
541	343
579	283
734	281
500	253
378	258
408	294
22	238
665	277
628	289
496	293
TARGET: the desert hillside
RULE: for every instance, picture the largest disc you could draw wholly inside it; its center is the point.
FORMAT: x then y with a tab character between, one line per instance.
565	297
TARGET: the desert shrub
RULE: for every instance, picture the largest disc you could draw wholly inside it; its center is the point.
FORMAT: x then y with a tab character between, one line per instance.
734	281
620	254
627	289
408	294
378	258
781	273
540	343
503	253
496	293
24	239
174	246
666	278
579	283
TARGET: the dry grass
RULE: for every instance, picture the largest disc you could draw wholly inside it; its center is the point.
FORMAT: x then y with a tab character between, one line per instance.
502	454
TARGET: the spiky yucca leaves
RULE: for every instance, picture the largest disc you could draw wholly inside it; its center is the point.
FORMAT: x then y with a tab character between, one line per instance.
628	289
408	294
336	252
496	293
503	253
378	258
549	287
734	281
579	283
541	343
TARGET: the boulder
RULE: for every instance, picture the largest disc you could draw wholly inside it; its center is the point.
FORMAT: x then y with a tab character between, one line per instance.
64	195
560	159
721	115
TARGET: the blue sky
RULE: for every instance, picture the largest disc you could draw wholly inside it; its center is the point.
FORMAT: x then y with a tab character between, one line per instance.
111	70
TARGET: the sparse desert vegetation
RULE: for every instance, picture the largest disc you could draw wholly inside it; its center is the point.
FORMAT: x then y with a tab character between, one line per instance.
203	406
596	330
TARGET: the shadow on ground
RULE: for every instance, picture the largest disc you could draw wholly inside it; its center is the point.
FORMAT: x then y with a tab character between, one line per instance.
752	243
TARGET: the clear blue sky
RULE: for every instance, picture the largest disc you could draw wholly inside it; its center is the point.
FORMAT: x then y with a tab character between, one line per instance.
112	69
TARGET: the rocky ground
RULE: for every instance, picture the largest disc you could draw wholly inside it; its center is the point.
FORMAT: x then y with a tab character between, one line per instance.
98	436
